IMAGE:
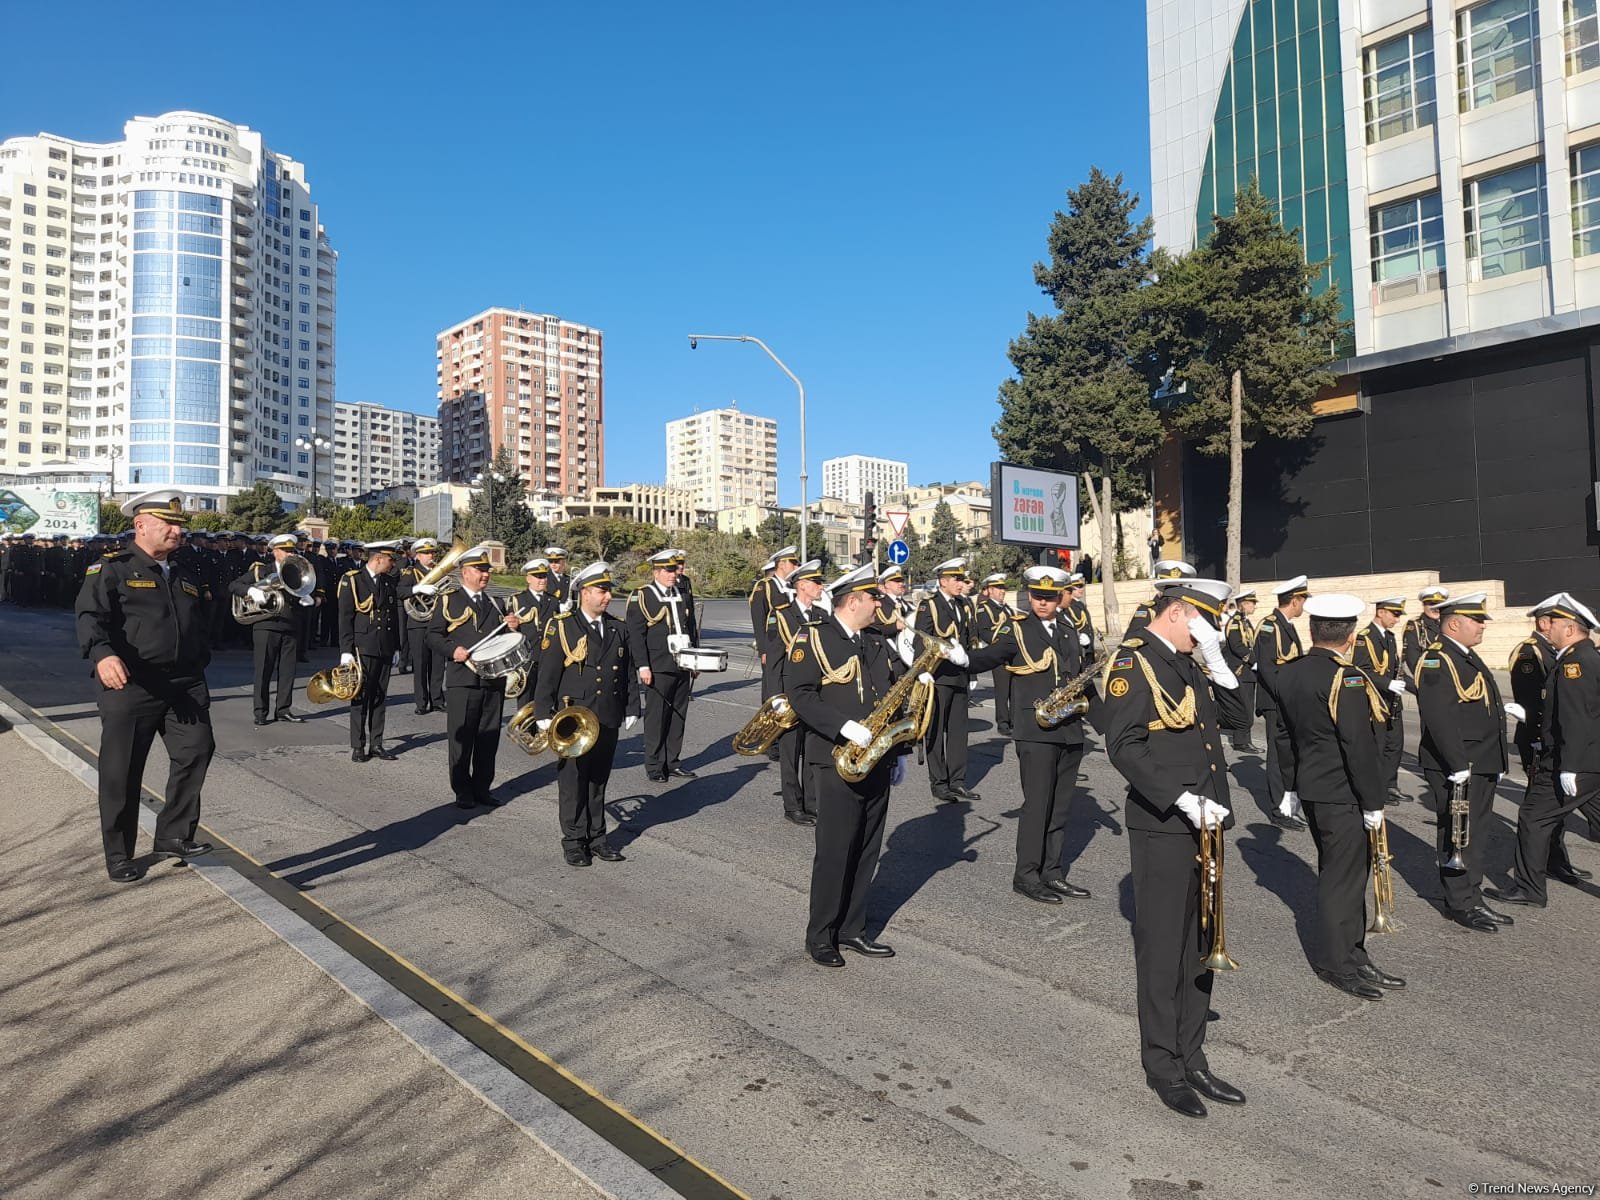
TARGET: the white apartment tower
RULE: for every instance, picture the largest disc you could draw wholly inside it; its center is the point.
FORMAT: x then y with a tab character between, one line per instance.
376	447
166	308
850	478
725	458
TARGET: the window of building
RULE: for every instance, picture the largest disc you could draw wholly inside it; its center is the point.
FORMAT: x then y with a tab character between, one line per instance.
1586	200
1582	35
1505	222
1496	50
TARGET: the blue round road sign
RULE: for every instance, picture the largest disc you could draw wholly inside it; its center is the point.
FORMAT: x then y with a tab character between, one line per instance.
899	552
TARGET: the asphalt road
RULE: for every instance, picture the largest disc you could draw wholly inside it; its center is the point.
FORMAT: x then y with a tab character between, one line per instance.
997	1055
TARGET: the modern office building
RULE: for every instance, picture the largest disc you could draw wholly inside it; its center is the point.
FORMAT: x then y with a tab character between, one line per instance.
530	382
725	458
1444	158
376	447
166	307
666	508
850	478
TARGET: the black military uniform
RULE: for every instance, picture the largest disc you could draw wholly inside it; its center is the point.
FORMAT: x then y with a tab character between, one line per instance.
990	616
793	621
1377	654
656	615
1529	667
584	661
894	613
1277	642
153	617
1238	640
771	593
535	610
369	628
427	668
950	618
1078	614
473	704
1039	657
1163	723
560	577
1336	716
1420	632
273	639
1463	729
835	676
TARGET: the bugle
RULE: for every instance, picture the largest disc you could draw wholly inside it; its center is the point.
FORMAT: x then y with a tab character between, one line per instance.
1382	881
1211	909
1459	814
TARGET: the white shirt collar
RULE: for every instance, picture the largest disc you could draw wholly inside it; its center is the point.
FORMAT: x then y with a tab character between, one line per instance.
1162	640
845	629
1456	644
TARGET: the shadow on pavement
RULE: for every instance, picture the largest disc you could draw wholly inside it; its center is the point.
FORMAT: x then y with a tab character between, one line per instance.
918	850
412	833
637	815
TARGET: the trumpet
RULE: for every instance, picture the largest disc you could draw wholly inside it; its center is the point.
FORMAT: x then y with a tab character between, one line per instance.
420	608
1460	814
572	732
336	683
772	720
1382	881
1211	911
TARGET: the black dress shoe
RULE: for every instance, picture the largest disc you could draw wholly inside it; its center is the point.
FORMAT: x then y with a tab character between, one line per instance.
795	818
466	802
866	946
656	778
826	956
1003	730
1036	892
576	860
1476	918
263	720
1570	874
1212	1088
945	797
1291	823
1353	985
605	854
490	802
422	712
1499	918
292	718
358	756
1248	748
1514	895
680	773
1071	890
965	793
181	847
1180	1097
1396	796
1373	973
122	871
383	752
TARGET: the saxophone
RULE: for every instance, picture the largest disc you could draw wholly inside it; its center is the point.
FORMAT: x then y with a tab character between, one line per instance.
1069	700
886	724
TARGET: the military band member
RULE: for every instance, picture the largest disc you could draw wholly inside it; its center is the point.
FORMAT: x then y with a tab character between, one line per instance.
560	579
1163	720
1422	631
1040	651
584	661
142	621
1377	653
1076	610
1336	715
991	611
465	616
1568	775
1239	638
794	619
1277	643
1463	742
427	668
771	593
1530	664
835	677
895	610
685	585
1166	568
660	622
273	637
534	606
947	615
369	628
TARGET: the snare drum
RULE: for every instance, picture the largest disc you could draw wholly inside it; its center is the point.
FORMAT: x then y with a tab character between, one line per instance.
699	658
499	656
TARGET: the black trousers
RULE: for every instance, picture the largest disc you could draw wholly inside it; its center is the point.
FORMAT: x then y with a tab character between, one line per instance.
947	740
130	718
1247	693
1540	821
1279	752
274	660
1343	859
1002	698
326	619
1394	745
304	626
581	794
850	819
1169	952
795	774
1049	773
472	721
1462	889
427	669
367	710
666	708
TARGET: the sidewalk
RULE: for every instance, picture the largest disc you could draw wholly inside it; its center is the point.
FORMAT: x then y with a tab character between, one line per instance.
157	1040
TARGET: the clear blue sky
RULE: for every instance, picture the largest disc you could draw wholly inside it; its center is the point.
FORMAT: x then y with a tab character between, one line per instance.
865	186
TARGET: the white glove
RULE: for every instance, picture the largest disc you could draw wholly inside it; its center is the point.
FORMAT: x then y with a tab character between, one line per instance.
1569	782
347	660
1083	639
258	595
957	654
1214	814
1289	806
856	733
1192	807
1204	635
1516	712
897	772
424	589
1372	819
926	678
543	725
1397	686
629	722
307	601
1459	776
394	659
905	643
972	685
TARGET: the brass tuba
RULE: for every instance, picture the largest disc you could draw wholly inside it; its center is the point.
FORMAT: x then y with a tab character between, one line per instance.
420	608
772	720
294	576
1211	914
572	732
336	683
886	724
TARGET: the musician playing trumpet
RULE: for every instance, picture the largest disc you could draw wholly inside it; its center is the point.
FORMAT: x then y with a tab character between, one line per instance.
1039	652
1337	716
1163	720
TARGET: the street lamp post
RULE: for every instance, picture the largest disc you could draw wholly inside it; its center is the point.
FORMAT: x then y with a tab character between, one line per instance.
695	338
313	443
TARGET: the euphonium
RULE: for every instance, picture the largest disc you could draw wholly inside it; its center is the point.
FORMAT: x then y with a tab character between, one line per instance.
294	576
772	720
420	608
886	724
1382	881
1069	700
336	683
1460	817
572	732
1211	911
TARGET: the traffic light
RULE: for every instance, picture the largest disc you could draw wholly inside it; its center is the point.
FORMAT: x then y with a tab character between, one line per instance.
869	517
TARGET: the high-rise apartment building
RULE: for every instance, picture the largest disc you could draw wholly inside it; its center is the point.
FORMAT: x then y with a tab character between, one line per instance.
850	478
166	308
530	382
725	458
1444	160
376	447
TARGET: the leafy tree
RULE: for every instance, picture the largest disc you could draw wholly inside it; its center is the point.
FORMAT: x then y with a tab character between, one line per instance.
259	510
780	530
722	564
1239	325
112	520
1079	401
945	539
210	521
499	511
357	522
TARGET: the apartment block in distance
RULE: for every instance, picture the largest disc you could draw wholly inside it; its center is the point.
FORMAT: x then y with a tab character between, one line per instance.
1443	158
376	447
850	478
166	308
527	381
725	458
